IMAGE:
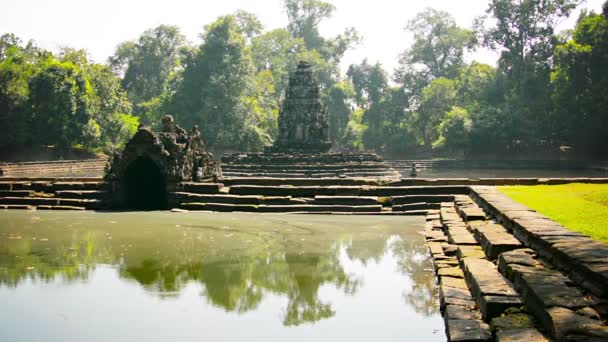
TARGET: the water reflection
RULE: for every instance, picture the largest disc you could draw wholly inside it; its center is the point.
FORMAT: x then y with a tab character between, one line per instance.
236	260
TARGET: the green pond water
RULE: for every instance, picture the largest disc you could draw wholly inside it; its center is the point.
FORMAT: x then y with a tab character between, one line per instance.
161	276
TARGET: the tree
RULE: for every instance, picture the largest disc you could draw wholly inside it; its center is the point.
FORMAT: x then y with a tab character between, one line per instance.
148	64
438	50
304	18
213	91
59	101
437	99
370	82
455	131
524	32
339	108
579	83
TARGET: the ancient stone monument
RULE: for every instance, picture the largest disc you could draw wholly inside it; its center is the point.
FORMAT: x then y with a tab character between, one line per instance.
303	122
152	165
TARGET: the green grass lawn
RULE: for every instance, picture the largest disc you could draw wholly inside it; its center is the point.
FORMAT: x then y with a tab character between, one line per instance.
579	207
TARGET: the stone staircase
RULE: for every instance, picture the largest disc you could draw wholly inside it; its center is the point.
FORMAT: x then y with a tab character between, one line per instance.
276	165
352	199
65	168
496	286
49	195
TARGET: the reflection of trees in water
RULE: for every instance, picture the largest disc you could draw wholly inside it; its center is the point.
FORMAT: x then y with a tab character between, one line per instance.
72	259
413	260
234	275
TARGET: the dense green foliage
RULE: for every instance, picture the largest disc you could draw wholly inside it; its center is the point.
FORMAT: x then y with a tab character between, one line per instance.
62	101
545	95
580	207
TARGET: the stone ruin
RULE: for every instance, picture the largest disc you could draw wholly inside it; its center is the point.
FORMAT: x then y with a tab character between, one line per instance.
152	165
303	121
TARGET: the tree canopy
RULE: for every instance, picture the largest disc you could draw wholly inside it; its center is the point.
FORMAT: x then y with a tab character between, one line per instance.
547	90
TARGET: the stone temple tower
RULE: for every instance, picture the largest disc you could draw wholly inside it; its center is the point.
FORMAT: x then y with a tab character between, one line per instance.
303	122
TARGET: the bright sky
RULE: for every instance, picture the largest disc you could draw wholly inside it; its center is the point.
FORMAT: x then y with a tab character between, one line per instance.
100	26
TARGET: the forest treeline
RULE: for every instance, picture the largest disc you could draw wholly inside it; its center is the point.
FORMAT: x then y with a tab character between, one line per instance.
548	91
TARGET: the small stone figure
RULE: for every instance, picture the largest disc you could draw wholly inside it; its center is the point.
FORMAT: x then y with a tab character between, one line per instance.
168	124
413	171
195	131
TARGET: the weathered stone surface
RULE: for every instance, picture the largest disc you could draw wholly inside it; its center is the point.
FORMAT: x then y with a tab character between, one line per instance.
461	330
512	321
519	335
346	200
454	282
567	250
491	290
454	292
450	272
303	122
16	206
494	306
173	156
567	325
59	207
408	199
461	312
495	239
435	248
470	252
459	235
539	291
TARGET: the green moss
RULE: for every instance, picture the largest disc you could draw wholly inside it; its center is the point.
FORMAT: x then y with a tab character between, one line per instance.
579	207
512	321
384	200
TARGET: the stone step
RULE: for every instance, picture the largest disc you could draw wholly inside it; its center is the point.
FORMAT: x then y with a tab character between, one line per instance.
201	188
311	191
59	207
16	206
50	186
281	208
231	181
16	193
463	320
346	200
295	191
493	238
237	199
493	293
82	194
407	199
565	311
415	206
304	168
413	190
584	259
52	201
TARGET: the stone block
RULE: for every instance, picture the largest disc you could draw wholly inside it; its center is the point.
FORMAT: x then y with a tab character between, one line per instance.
465	330
451	272
494	306
461	312
519	335
470	252
454	282
346	200
566	325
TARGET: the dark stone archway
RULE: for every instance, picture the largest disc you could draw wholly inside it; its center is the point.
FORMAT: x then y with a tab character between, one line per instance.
147	173
144	185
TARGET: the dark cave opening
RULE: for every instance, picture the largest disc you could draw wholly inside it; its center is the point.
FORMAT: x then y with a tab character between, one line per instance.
144	186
